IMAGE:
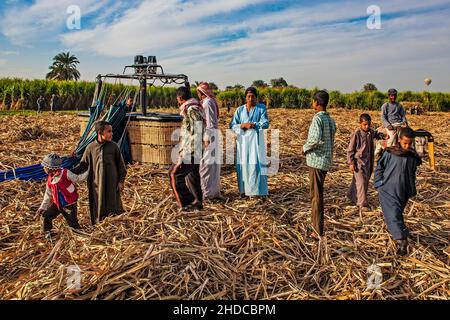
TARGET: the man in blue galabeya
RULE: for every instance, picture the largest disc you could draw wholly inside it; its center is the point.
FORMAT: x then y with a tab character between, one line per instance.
248	123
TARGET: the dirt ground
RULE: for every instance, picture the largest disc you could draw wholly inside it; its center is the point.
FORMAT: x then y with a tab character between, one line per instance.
234	249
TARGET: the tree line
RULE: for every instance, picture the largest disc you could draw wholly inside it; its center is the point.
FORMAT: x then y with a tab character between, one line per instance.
62	81
19	94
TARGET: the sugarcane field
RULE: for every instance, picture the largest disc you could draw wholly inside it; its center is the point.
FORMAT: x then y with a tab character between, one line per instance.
235	249
145	162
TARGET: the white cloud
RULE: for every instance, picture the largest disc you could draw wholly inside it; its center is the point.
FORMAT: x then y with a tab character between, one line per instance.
8	53
26	25
328	54
155	26
5	53
309	45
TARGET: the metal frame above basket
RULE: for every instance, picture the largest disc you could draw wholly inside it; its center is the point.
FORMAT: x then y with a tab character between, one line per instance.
145	70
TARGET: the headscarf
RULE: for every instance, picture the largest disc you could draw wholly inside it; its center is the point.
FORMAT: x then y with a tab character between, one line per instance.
206	90
191	103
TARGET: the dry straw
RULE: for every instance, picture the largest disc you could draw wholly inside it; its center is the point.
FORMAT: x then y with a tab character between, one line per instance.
234	249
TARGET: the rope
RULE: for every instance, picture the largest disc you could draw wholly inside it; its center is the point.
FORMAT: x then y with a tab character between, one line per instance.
114	114
36	172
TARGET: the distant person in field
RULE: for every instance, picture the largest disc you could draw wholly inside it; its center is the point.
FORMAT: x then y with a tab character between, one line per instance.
248	123
40	104
211	161
103	160
60	194
130	105
393	117
395	180
229	103
360	158
184	175
319	158
53	101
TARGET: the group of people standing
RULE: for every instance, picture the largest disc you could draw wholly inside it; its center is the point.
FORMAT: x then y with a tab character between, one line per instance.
395	173
195	176
40	102
103	167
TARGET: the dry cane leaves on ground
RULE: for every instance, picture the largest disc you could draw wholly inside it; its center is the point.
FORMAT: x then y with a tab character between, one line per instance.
234	249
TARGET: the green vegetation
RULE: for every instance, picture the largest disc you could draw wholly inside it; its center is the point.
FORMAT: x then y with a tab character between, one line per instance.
18	94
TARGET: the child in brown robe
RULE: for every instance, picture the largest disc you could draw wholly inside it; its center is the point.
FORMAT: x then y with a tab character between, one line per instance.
360	158
106	177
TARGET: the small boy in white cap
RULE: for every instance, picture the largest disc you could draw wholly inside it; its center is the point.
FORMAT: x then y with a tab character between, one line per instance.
60	195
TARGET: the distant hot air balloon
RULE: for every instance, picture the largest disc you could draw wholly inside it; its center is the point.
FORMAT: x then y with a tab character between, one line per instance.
428	81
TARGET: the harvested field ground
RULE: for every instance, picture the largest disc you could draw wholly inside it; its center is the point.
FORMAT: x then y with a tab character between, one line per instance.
235	249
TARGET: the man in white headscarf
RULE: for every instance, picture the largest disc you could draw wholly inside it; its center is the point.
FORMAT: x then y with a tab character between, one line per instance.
211	161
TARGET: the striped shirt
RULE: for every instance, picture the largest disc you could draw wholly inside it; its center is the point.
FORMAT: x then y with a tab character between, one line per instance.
320	143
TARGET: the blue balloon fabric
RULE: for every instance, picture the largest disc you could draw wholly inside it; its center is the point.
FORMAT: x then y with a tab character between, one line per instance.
116	116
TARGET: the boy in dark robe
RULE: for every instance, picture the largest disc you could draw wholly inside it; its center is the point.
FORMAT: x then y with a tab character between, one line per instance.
106	176
360	158
395	179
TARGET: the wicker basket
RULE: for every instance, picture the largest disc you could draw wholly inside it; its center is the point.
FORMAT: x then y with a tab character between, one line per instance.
151	139
152	154
153	133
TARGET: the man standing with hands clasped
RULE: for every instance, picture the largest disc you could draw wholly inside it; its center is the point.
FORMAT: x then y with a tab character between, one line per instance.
248	123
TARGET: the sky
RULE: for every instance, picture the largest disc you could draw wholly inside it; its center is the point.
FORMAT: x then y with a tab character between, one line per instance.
324	44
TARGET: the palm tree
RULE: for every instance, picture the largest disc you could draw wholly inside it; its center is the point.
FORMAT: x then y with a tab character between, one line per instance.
64	67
